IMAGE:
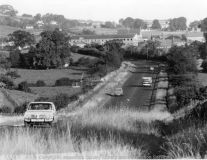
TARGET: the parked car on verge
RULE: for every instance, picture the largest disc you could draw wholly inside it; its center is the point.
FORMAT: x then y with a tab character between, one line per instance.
147	81
38	113
118	91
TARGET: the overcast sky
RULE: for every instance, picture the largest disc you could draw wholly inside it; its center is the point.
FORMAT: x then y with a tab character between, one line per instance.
113	10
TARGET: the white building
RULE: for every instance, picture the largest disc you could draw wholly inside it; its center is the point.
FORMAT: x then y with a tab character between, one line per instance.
101	39
195	36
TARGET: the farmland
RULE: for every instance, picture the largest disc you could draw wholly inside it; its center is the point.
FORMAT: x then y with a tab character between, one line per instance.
53	91
5	30
48	76
202	78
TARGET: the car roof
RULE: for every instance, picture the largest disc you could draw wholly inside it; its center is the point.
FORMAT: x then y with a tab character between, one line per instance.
41	102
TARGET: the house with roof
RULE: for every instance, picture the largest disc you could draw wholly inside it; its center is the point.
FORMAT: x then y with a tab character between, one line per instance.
195	36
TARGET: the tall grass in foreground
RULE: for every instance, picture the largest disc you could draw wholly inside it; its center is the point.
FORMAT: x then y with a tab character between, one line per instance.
188	143
32	141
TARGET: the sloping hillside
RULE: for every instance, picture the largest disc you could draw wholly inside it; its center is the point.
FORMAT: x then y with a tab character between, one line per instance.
5	30
13	98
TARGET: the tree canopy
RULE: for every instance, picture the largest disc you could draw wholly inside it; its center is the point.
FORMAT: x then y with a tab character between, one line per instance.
133	23
181	60
8	10
156	24
178	24
52	50
204	25
21	39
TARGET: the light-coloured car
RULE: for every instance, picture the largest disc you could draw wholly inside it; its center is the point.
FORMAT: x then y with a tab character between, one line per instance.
147	81
118	91
152	68
39	113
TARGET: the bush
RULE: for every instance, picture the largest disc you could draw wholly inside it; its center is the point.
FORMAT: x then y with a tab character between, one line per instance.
64	82
24	86
204	65
184	95
61	101
21	109
42	99
13	74
8	81
100	70
5	109
40	83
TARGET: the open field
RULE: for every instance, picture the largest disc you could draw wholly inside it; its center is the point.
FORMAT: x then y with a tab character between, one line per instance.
20	97
203	78
48	76
76	56
5	30
53	91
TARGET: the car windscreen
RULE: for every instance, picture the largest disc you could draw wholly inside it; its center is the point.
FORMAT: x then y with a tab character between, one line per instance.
40	106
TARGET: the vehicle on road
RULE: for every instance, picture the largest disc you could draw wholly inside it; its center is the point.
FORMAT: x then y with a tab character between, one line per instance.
118	91
152	68
147	81
40	113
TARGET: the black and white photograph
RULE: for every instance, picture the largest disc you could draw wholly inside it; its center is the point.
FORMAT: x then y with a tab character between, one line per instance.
103	79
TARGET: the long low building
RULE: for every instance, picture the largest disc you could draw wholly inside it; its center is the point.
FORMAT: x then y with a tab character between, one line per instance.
82	40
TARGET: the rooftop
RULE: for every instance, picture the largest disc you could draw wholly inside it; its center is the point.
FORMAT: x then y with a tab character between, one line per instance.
102	36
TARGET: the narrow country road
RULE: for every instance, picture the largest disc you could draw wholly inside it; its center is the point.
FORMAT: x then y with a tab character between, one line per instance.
135	95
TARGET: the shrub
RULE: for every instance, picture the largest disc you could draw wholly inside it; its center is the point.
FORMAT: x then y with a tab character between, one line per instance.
42	99
172	107
204	65
40	83
184	95
13	74
21	109
61	101
63	82
5	109
74	98
8	81
24	86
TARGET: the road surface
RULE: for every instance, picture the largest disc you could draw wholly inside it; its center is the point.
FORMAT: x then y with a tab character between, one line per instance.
135	95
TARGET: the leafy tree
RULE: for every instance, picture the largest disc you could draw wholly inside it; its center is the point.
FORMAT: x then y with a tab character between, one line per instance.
27	15
204	25
194	25
8	10
204	65
138	23
52	50
114	53
128	22
181	60
37	17
4	62
178	24
15	58
199	49
21	39
156	24
150	49
108	24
